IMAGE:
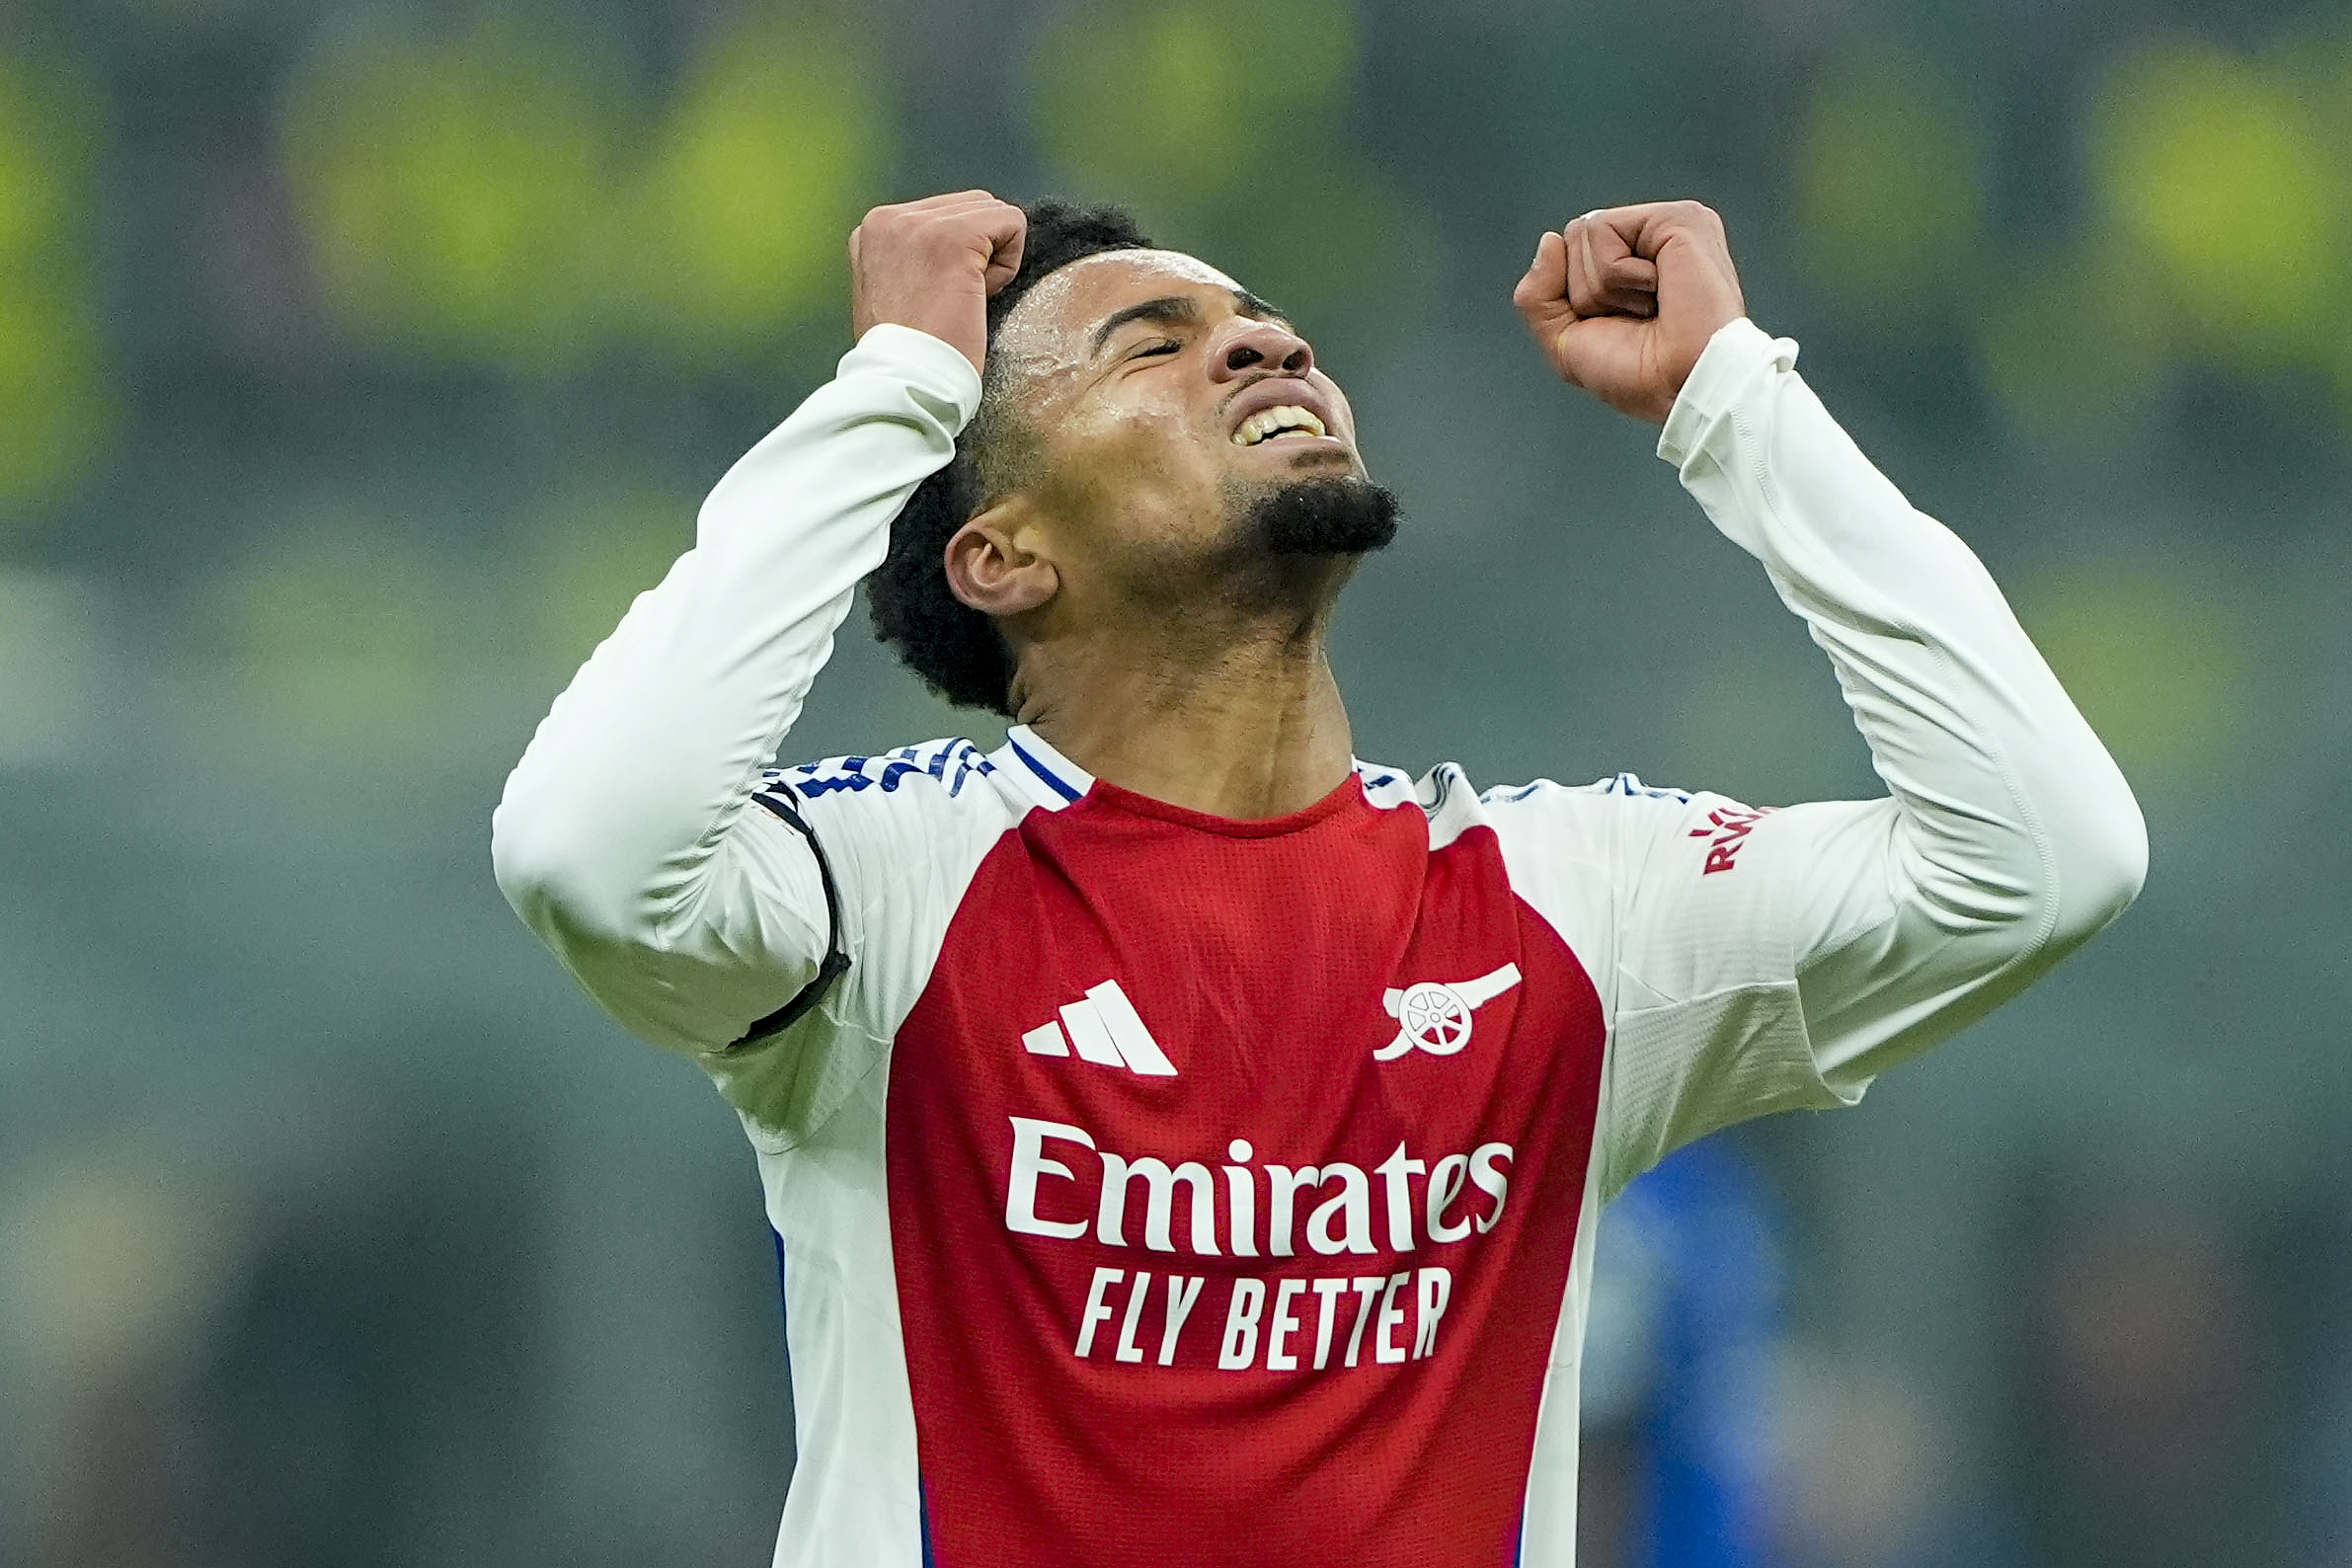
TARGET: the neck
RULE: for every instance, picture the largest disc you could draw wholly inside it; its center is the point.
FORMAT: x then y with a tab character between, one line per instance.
1242	722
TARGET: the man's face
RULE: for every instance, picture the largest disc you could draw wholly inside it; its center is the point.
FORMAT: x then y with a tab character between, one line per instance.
1165	405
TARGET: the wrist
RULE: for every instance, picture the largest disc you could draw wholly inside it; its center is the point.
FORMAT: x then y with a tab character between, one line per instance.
919	357
1738	349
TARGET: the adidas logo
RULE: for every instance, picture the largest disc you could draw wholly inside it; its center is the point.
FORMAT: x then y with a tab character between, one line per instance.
1105	1029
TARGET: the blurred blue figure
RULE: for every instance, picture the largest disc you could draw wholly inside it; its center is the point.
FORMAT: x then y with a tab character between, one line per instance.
1686	1324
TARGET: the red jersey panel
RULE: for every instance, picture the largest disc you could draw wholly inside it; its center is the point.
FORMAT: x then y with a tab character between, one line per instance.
1234	1171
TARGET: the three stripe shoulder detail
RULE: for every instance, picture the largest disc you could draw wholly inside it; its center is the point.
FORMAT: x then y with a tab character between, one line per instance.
950	763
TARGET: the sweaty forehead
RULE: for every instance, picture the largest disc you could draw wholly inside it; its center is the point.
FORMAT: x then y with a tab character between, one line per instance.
1052	320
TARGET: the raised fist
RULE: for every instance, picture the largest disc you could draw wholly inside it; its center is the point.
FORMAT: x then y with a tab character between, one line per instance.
1623	301
932	265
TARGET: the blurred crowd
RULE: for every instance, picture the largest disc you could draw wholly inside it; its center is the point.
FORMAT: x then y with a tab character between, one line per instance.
360	359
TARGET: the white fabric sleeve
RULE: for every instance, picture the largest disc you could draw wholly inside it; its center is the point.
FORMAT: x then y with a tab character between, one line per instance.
1784	959
625	837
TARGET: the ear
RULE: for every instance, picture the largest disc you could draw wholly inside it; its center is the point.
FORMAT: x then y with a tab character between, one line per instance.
992	567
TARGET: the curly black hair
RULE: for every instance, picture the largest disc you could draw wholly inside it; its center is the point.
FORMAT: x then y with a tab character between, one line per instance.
957	650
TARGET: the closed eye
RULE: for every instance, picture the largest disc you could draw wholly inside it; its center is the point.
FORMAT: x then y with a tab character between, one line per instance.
1164	345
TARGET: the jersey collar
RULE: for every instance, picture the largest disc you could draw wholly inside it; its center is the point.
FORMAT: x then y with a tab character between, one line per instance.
1053	779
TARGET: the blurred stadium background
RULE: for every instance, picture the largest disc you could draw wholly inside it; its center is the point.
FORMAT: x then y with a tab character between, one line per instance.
358	360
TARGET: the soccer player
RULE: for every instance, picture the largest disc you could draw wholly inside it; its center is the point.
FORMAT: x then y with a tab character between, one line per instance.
1186	1139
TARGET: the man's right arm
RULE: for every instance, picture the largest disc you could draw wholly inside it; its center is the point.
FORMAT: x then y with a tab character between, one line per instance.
626	837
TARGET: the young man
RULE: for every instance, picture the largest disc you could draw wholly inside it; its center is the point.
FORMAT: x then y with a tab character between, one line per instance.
1186	1139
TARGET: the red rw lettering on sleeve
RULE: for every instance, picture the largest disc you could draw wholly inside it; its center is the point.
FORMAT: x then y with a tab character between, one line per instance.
1728	827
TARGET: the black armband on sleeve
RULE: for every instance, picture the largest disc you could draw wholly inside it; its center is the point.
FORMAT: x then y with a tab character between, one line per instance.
836	962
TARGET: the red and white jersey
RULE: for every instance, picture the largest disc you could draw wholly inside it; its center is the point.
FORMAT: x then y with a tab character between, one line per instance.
1162	1189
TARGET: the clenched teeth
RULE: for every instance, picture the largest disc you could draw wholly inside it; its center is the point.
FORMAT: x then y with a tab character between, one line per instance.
1266	422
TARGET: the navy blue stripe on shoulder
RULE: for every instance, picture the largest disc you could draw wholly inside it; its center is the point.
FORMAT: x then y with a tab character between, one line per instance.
1054	781
950	763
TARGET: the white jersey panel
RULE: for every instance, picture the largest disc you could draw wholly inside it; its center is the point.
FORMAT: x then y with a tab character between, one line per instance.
856	1493
1705	1023
1547	1527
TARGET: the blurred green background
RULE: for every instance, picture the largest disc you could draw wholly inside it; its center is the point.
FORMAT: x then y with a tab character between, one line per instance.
357	363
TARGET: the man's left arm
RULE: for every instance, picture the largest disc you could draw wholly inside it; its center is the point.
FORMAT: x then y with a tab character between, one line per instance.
2009	836
1774	960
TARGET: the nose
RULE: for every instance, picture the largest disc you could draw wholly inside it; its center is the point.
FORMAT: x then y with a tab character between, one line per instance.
1248	345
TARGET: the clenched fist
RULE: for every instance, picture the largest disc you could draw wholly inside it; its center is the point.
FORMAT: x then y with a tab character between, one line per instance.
1623	301
932	265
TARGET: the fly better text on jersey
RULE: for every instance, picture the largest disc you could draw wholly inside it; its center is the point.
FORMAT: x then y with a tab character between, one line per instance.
1400	1310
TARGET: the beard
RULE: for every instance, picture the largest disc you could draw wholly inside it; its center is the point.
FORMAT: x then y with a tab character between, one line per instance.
1321	517
1286	548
